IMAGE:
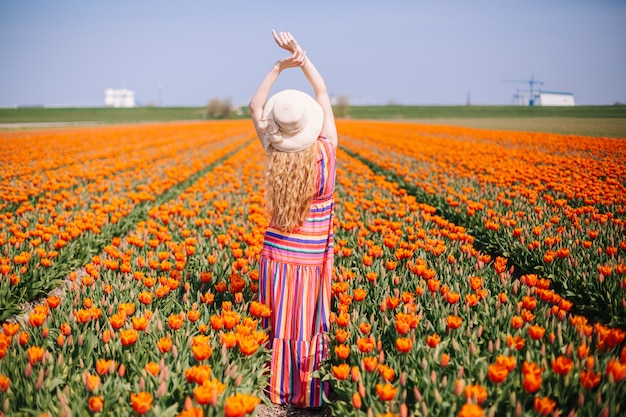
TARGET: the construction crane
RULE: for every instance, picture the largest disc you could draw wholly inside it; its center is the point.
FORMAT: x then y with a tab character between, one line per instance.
532	82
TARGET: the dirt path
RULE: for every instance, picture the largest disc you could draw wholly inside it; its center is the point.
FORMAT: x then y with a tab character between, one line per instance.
280	411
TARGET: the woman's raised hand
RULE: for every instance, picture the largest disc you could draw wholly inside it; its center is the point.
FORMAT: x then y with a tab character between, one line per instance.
296	59
286	41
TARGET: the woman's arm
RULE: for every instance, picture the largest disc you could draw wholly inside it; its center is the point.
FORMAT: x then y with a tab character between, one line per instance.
286	41
297	58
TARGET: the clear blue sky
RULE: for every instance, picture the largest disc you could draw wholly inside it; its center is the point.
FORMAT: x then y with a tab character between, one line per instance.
64	52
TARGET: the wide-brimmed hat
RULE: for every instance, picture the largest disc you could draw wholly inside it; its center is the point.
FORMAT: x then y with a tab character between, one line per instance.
292	120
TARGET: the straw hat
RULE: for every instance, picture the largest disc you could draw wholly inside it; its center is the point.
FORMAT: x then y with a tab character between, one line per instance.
292	121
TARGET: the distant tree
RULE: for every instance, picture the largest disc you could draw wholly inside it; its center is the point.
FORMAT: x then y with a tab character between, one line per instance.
219	109
226	108
214	108
342	107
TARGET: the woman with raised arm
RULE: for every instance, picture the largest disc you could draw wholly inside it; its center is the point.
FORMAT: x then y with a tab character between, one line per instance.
298	134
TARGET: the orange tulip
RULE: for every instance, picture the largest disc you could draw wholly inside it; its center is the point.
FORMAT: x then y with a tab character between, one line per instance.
35	354
141	402
589	379
471	410
515	342
616	370
92	382
454	322
103	366
365	344
152	368
532	380
342	351
239	405
404	344
341	371
5	383
433	340
370	363
386	392
175	321
208	392
95	404
544	406
128	337
562	365
536	332
198	374
476	393
497	373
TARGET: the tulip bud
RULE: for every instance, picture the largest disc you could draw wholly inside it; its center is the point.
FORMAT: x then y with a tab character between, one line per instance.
356	401
238	380
80	339
162	390
424	363
39	382
490	346
361	389
121	371
581	399
418	394
142	384
188	403
459	386
518	410
370	413
28	370
433	377
605	412
404	410
438	397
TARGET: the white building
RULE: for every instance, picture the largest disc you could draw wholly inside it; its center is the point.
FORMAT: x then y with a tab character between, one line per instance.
550	98
119	97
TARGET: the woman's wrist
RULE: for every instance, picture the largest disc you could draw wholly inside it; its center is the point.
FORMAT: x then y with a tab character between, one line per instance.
276	68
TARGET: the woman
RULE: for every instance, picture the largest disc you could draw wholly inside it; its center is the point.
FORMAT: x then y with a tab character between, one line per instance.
299	135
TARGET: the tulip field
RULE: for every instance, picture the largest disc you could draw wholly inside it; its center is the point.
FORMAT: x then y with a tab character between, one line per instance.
477	272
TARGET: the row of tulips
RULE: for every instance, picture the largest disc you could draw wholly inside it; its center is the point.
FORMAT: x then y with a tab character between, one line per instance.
425	324
162	322
553	204
56	203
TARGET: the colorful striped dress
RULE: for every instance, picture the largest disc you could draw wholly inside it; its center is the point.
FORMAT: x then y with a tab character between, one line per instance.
295	282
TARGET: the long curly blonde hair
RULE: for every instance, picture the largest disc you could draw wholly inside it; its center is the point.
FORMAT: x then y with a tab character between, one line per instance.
290	186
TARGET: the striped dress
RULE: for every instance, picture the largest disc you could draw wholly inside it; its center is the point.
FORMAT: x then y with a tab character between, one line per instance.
295	282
